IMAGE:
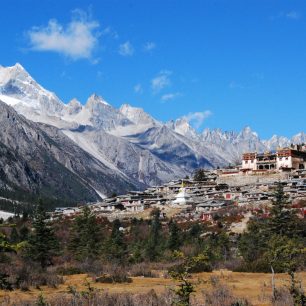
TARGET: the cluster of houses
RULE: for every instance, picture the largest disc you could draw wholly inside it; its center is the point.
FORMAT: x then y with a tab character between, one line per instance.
199	199
284	159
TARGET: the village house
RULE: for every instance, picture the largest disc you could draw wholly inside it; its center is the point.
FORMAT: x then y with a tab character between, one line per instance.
284	159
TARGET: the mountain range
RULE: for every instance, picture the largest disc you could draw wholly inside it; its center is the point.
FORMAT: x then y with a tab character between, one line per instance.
84	152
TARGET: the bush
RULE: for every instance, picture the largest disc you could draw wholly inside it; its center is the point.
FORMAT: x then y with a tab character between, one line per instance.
4	282
221	295
116	278
69	270
142	269
30	275
102	298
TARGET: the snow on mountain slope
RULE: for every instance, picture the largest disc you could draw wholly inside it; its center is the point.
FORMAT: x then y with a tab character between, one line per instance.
137	115
128	140
103	115
136	163
276	141
15	82
299	138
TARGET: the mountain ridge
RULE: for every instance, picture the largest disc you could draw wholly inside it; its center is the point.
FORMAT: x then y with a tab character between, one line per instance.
129	141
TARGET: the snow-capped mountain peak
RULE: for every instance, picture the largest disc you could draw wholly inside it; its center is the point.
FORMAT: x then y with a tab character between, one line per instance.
299	138
94	100
103	115
73	107
137	115
182	127
16	83
129	139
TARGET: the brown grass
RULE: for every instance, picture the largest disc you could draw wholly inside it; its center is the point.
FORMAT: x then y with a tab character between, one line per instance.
256	287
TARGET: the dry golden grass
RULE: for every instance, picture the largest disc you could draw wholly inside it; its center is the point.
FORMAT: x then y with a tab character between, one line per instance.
256	287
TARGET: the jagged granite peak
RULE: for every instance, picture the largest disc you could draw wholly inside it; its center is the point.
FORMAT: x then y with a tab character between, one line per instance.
16	83
95	99
74	107
183	127
247	133
103	115
299	138
276	142
137	115
128	140
40	159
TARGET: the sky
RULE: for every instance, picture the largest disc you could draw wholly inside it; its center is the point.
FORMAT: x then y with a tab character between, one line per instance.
221	64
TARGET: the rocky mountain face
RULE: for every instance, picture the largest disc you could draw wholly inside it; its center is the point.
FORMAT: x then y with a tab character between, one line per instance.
118	149
40	159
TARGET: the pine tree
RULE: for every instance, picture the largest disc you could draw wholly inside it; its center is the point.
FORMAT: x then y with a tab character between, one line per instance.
154	241
117	246
199	175
174	241
5	246
86	235
24	233
43	245
282	220
14	237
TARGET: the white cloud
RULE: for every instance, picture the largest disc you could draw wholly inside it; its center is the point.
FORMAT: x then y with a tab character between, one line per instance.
293	15
76	40
149	46
161	81
126	49
234	84
110	32
138	89
196	119
170	96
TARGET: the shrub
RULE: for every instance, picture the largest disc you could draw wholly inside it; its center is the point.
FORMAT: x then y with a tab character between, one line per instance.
221	295
68	270
116	278
142	269
4	282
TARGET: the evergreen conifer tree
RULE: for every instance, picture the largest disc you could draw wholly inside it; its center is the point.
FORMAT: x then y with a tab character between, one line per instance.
117	245
282	220
199	175
154	241
86	235
24	233
14	237
174	241
43	245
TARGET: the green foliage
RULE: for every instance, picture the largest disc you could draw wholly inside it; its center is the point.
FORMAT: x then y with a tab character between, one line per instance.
116	247
174	240
199	175
43	245
253	243
24	233
181	273
284	254
282	220
14	237
154	243
218	246
268	239
41	301
4	282
86	235
5	246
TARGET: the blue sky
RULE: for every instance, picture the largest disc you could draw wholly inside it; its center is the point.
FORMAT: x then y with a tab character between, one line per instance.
223	64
